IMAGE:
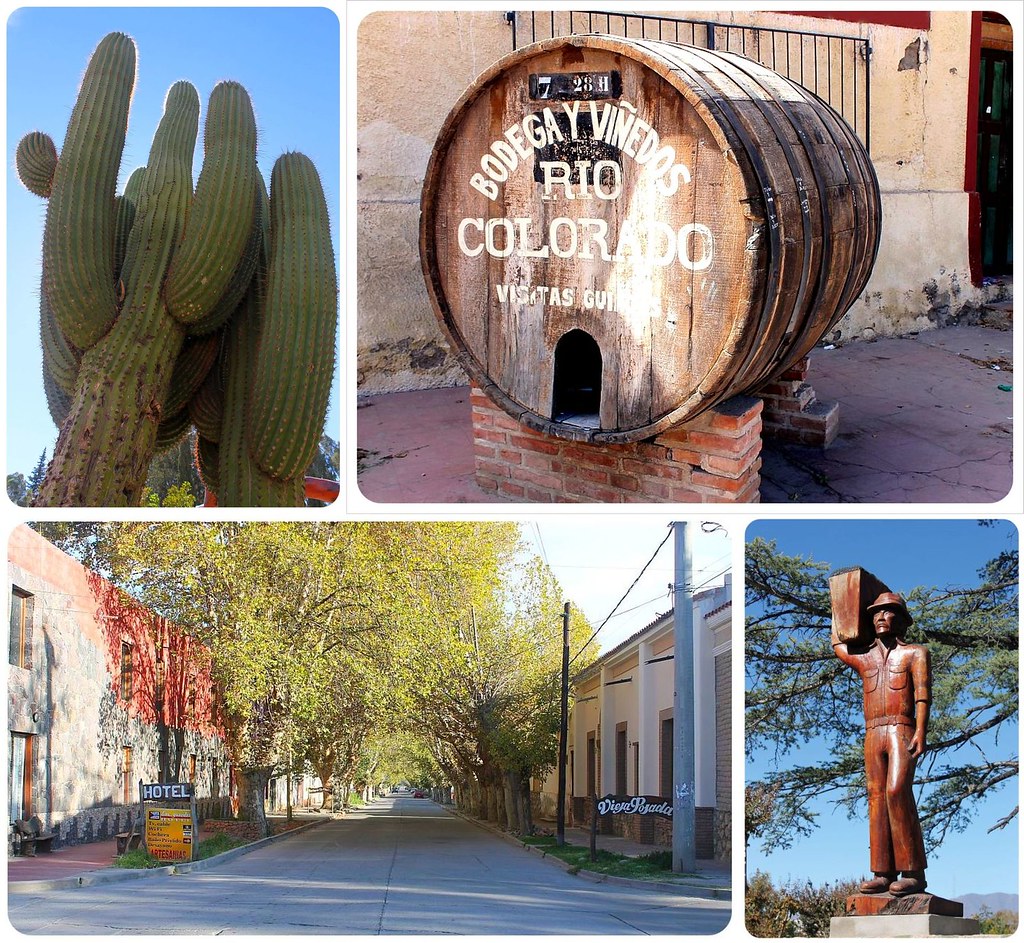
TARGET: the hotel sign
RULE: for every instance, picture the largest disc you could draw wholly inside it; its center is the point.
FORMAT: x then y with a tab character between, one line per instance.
151	792
169	834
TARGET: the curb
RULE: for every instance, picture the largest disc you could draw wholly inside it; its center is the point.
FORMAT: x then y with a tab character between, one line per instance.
595	877
110	875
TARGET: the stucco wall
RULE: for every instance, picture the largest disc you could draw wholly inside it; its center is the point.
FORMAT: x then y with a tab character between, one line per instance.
413	66
66	698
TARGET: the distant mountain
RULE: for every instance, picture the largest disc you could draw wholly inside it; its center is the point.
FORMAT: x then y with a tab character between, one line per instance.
994	902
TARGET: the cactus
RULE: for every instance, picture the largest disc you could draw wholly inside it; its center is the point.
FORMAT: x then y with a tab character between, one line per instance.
141	294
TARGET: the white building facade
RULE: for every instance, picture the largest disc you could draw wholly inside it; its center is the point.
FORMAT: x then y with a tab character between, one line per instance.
622	722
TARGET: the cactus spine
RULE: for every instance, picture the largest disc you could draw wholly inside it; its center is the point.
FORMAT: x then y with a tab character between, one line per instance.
141	292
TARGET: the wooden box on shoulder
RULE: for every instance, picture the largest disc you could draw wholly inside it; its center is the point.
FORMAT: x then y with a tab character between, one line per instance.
852	591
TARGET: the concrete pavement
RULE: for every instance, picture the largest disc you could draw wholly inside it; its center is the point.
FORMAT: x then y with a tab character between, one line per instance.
399	866
923	418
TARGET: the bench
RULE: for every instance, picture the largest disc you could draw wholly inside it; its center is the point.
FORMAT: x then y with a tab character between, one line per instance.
128	841
32	836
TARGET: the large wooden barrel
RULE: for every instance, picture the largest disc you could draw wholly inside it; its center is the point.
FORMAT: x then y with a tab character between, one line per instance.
618	234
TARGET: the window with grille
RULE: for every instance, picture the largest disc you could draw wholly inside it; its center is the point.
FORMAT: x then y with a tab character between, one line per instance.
22	609
126	672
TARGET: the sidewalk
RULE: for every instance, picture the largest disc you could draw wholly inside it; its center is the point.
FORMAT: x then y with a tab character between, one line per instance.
78	860
922	419
711	880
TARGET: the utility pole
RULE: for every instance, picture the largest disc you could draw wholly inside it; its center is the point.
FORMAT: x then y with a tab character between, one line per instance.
684	847
563	731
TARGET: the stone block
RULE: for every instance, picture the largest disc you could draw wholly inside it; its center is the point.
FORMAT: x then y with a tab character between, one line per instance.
898	926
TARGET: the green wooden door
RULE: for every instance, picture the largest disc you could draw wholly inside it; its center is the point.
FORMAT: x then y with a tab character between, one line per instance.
995	160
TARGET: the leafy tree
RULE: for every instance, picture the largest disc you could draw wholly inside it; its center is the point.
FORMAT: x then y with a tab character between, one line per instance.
1000	923
797	691
172	469
326	638
794	909
38	473
485	652
17	489
266	600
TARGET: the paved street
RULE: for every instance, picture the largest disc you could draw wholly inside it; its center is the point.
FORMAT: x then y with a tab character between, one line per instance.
403	866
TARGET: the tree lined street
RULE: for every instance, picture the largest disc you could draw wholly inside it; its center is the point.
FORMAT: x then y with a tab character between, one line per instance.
400	866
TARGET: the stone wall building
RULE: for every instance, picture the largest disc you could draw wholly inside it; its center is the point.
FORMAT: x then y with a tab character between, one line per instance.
621	730
101	693
935	118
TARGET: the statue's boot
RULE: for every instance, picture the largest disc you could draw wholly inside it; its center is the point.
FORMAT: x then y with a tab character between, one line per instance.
879	884
912	882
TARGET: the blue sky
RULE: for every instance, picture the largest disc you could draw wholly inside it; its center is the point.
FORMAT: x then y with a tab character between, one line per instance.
287	58
904	554
596	557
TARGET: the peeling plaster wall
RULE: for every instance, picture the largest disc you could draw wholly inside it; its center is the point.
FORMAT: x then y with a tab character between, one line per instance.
412	68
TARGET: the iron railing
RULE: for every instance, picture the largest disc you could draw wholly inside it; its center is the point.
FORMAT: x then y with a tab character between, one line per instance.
833	67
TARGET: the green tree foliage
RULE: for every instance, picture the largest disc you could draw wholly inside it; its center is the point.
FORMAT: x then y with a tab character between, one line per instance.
38	473
794	909
327	638
171	469
797	691
484	632
1000	923
17	489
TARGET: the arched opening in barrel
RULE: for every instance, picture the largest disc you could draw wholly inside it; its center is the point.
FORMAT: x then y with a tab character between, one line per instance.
576	389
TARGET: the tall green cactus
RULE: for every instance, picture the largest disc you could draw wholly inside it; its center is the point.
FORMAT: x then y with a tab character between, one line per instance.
140	292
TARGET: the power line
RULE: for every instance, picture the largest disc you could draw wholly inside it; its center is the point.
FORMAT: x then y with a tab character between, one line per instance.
540	543
624	595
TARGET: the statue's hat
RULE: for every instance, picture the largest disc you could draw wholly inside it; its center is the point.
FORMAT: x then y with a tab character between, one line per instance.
892	601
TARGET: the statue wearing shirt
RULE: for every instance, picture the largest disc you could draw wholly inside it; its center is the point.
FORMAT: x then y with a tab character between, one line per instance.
897	695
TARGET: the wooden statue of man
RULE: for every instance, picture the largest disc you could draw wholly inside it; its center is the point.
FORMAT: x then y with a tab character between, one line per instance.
897	695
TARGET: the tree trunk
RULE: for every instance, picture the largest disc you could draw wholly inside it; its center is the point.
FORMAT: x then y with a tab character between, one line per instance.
508	794
252	783
525	806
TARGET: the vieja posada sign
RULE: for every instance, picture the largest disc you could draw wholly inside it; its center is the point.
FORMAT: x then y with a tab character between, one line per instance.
632	805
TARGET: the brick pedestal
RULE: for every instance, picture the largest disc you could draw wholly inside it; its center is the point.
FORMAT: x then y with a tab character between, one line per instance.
792	412
714	458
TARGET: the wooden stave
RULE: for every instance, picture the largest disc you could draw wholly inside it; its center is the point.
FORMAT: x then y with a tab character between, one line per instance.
770	359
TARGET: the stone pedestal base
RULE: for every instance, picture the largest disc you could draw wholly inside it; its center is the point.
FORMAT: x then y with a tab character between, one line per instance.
714	458
792	412
881	926
882	915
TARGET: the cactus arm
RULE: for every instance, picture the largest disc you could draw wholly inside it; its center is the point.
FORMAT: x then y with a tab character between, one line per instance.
206	408
78	238
36	162
171	431
197	357
239	284
207	460
57	401
105	446
295	360
127	204
60	359
221	219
